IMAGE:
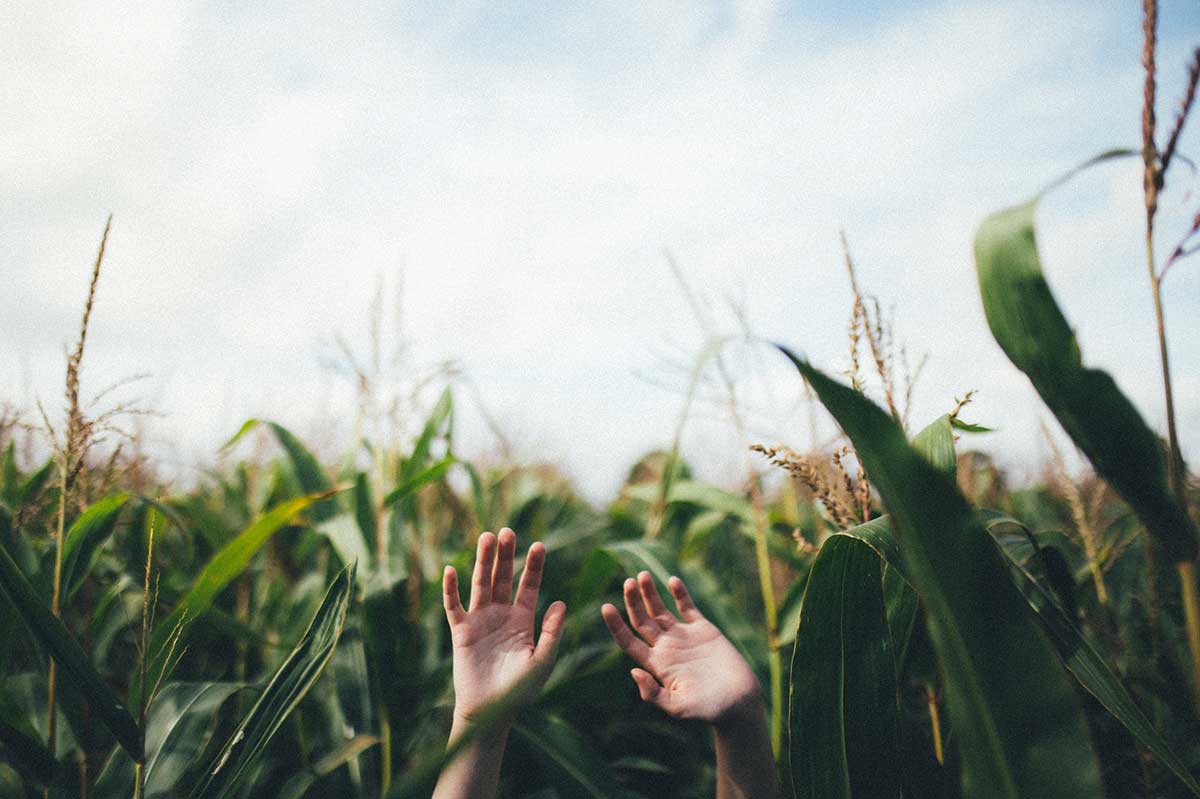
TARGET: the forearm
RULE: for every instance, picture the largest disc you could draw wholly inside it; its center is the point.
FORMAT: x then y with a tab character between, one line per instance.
474	772
745	765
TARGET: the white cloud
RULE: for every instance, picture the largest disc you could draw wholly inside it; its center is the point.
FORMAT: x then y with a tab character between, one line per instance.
526	172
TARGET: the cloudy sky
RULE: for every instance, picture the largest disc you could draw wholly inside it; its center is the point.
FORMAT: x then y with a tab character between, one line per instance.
513	177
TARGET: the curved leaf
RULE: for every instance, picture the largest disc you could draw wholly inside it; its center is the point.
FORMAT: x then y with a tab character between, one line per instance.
66	651
843	716
1028	325
85	537
1018	723
1083	659
180	724
936	443
287	687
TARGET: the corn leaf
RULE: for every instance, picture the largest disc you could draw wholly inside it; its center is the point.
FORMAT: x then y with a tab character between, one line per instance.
66	651
287	687
936	443
28	757
85	537
1027	324
1081	657
411	484
843	717
307	468
221	570
581	773
1019	727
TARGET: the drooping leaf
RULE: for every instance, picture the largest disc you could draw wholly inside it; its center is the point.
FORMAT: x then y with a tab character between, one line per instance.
1018	724
85	537
291	681
1028	325
843	718
70	656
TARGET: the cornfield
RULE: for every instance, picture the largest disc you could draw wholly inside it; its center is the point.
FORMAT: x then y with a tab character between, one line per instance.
919	627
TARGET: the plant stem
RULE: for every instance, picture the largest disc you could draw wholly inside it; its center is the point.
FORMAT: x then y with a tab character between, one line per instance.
771	612
139	765
935	725
385	752
52	672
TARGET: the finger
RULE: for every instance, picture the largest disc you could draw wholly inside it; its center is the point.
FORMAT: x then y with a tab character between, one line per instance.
636	608
653	602
630	644
481	579
683	600
450	598
531	576
502	578
648	688
552	627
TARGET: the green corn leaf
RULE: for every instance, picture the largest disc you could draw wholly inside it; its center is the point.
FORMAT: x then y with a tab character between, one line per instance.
179	727
580	771
439	417
936	443
85	537
9	476
66	651
287	687
1028	325
1019	727
1080	655
221	570
413	483
364	511
844	716
300	784
28	757
309	474
181	723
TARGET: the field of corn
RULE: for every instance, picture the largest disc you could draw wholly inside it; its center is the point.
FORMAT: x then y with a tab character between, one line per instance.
919	626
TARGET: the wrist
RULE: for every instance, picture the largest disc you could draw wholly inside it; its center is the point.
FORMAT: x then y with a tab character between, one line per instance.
743	714
464	719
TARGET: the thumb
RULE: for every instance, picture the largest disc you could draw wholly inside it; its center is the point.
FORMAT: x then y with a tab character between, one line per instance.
648	688
552	627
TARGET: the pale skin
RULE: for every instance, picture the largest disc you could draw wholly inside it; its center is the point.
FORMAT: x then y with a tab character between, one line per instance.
688	668
494	650
691	671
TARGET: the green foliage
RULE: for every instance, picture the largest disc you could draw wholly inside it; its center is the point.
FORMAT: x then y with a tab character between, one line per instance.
287	687
844	705
1028	325
1022	731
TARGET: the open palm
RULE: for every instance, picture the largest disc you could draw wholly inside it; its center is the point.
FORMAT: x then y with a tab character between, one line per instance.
494	647
689	669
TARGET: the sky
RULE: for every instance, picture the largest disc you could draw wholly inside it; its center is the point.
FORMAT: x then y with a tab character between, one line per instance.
513	182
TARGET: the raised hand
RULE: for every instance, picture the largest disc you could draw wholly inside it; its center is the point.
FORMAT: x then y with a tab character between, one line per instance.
493	639
688	668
